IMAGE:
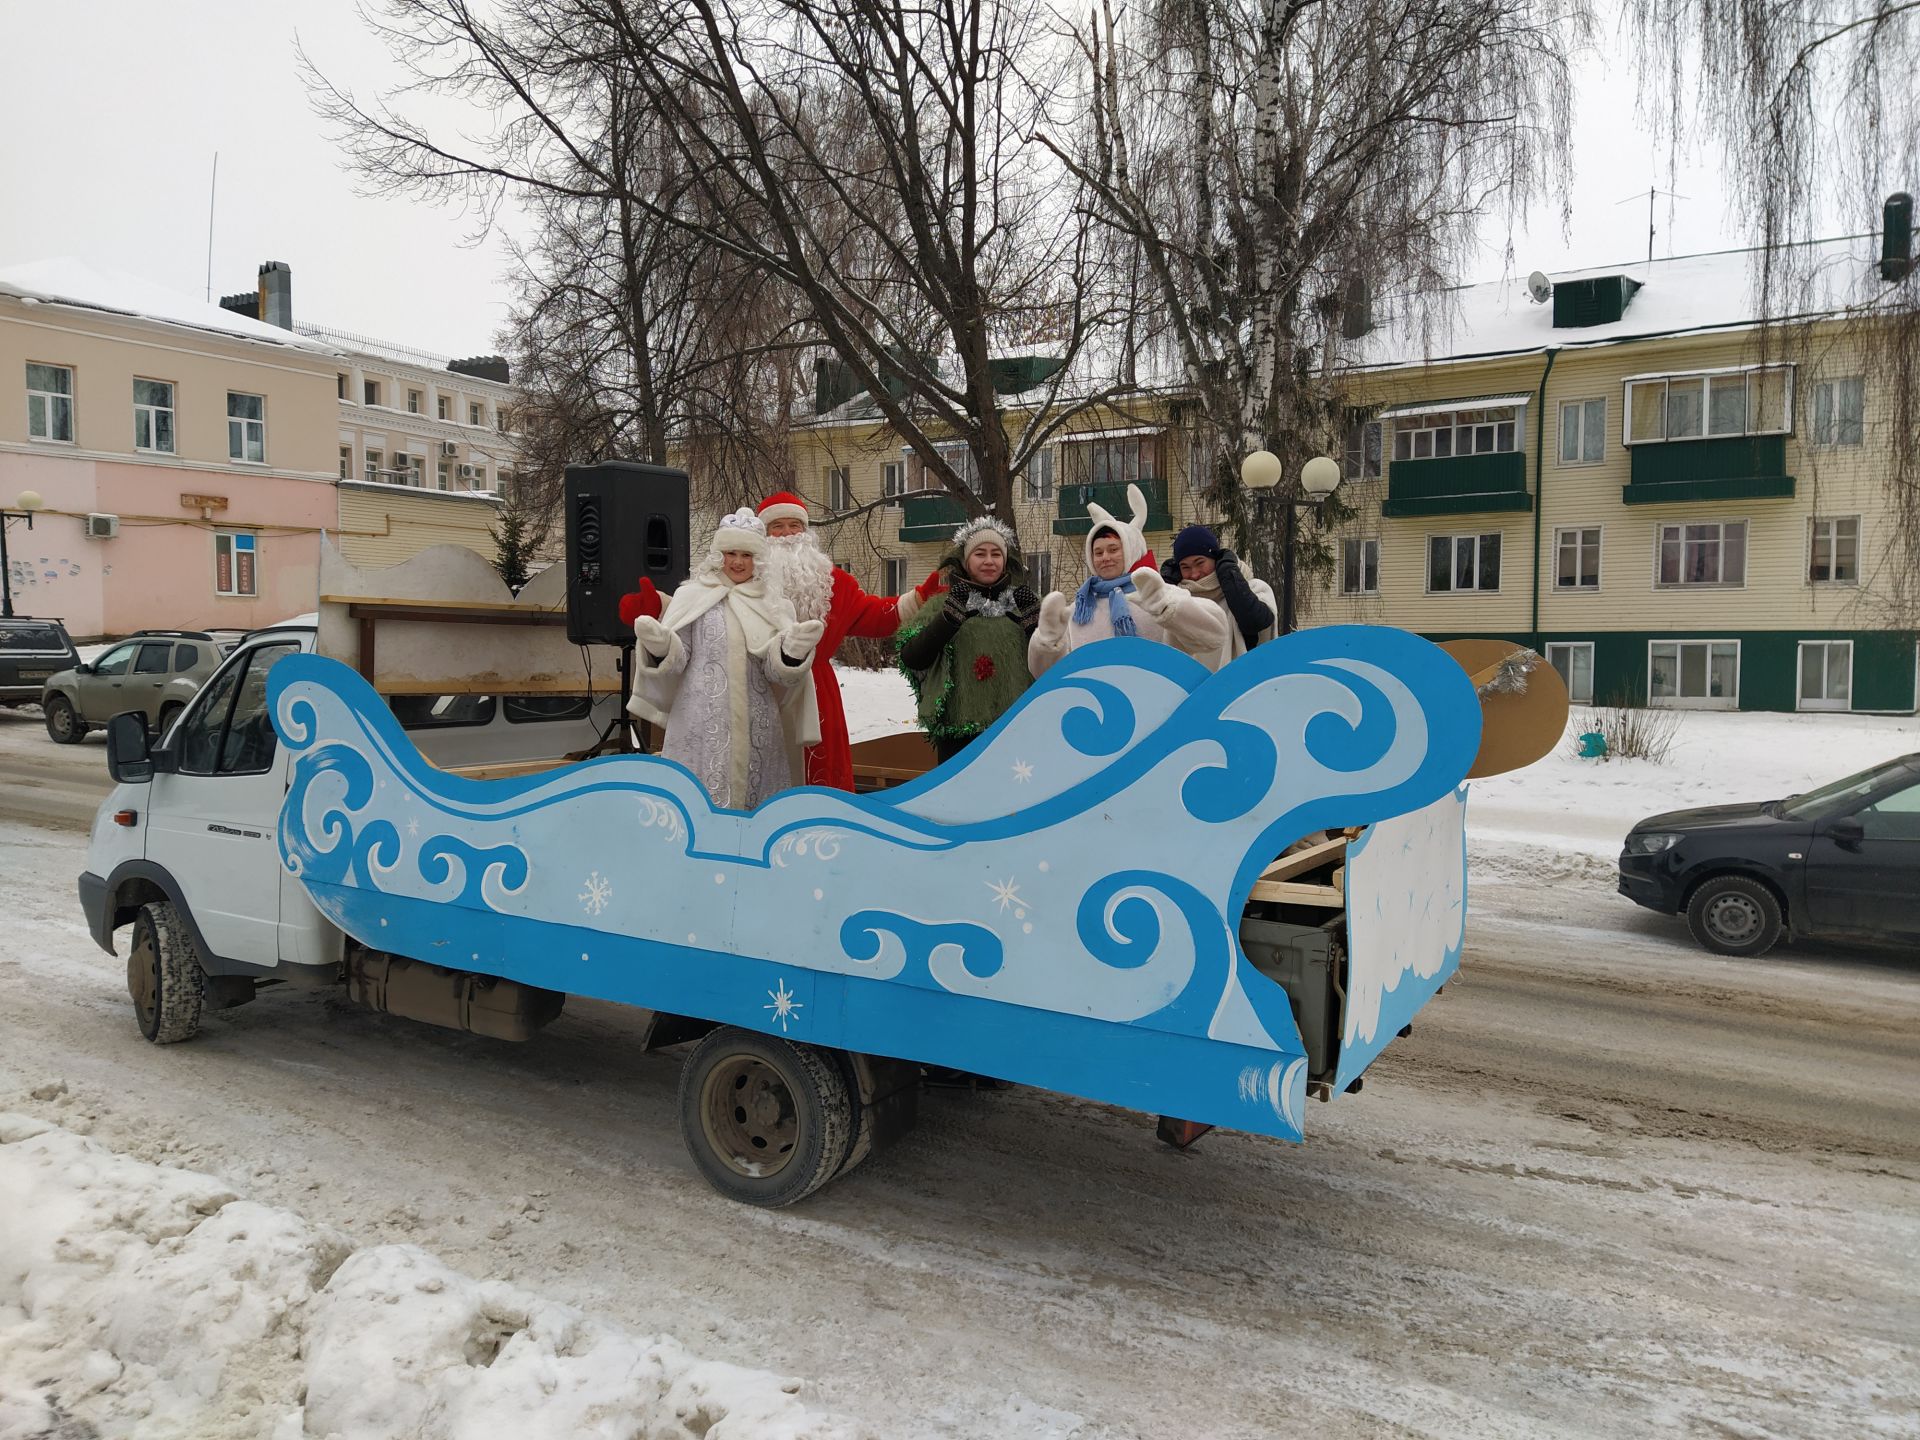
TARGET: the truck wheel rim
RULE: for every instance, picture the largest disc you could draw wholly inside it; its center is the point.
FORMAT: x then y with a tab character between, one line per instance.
1734	918
749	1118
143	975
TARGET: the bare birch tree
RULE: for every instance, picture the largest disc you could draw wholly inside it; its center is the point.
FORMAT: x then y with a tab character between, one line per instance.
1279	163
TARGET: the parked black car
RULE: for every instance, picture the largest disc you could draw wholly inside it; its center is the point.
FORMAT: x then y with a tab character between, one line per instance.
30	652
1841	862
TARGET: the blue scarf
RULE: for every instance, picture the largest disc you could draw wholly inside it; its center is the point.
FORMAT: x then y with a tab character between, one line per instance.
1116	592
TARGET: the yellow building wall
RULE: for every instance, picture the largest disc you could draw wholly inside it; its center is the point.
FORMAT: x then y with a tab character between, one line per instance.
386	524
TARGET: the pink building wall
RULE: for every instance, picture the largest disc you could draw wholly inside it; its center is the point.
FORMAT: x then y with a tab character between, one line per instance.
159	571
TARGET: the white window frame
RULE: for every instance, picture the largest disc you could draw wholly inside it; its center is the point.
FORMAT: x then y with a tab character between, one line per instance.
893	480
1583	431
1568	648
153	413
1365	445
1599	558
1823	429
346	462
248	428
1832	524
375	463
1660	545
1040	474
414	400
370	392
444	408
1800	701
839	489
893	576
48	406
1453	559
1449	420
1705	379
1040	566
1366	545
1707	702
231	542
476	412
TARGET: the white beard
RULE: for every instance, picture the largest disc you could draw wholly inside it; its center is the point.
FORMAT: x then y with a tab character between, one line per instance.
798	569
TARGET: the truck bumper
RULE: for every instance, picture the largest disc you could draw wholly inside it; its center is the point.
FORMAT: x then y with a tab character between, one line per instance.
95	905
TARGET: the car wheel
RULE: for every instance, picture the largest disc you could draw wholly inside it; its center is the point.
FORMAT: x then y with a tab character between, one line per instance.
63	722
766	1120
164	976
1735	915
168	712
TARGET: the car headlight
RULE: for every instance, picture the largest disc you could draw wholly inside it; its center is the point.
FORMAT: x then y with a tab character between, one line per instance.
1651	843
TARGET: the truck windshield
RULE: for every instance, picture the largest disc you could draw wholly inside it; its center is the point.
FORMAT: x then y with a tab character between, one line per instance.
1841	795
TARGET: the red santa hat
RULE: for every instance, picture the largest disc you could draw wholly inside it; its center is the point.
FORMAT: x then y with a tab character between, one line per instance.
783	505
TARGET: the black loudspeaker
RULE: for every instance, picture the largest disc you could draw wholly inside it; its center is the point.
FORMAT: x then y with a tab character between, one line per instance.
624	520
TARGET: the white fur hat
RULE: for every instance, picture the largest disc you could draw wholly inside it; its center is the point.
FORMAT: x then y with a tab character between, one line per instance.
739	532
1132	532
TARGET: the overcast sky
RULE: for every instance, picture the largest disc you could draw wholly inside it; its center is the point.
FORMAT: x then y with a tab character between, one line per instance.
113	109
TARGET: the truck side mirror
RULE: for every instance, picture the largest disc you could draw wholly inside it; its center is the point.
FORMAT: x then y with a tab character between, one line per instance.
128	759
1846	831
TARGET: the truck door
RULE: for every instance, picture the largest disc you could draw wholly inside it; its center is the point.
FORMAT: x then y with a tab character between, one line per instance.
214	823
1863	869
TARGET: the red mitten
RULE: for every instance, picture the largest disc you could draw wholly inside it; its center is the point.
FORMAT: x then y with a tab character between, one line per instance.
643	601
930	587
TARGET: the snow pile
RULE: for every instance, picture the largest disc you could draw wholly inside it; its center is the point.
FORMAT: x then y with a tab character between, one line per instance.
141	1300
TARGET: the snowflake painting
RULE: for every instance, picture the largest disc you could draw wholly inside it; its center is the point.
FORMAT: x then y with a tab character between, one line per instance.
598	894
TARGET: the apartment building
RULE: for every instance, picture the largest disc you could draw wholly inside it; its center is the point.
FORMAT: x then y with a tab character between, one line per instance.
423	455
183	454
1623	468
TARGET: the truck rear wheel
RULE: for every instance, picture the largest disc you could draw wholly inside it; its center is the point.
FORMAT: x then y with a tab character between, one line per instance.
164	976
767	1121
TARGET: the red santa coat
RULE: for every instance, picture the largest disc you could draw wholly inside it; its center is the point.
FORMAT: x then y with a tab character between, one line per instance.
851	611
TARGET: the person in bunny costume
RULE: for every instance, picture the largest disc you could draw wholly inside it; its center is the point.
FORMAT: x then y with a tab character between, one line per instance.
727	670
1123	594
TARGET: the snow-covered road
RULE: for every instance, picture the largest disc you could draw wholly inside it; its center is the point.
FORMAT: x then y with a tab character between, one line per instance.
1609	1186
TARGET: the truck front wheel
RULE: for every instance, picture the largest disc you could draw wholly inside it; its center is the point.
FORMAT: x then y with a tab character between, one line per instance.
767	1121
164	976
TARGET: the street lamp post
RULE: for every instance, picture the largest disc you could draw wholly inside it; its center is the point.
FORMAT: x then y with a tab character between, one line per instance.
1319	478
29	502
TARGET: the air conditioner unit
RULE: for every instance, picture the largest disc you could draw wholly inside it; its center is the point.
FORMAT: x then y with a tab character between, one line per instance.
102	527
466	472
448	449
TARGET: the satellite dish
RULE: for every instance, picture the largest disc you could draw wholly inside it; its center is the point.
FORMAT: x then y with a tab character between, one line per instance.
1539	287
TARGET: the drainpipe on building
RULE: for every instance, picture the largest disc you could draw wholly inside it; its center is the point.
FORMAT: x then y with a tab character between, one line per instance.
1539	489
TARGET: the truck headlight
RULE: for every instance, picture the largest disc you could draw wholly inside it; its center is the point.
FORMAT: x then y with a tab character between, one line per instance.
1651	843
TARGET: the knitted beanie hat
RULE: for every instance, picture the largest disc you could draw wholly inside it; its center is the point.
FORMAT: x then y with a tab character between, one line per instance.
1195	540
982	529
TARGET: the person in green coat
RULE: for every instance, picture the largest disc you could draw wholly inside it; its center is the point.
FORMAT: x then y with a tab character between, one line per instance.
967	660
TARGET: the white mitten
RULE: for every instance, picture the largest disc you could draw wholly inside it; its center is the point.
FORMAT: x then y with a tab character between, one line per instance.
1152	590
1053	618
799	640
651	635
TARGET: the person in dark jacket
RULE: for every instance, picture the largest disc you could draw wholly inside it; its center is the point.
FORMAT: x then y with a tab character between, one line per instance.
1207	570
967	660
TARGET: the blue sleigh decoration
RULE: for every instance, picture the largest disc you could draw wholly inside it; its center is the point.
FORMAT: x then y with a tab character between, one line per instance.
1059	906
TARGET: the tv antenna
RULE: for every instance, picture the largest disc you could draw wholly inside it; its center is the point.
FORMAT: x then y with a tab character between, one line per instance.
1652	195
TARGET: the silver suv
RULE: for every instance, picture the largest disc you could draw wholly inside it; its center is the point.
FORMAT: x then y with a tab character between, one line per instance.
155	672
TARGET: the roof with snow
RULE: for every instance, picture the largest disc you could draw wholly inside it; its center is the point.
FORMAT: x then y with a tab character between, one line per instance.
67	281
1684	294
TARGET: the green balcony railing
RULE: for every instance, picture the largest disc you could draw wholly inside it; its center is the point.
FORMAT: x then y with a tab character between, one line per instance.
1458	485
932	515
1741	467
1112	497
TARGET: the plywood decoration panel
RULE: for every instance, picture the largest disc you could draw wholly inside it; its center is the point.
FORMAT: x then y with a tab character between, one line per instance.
1058	906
